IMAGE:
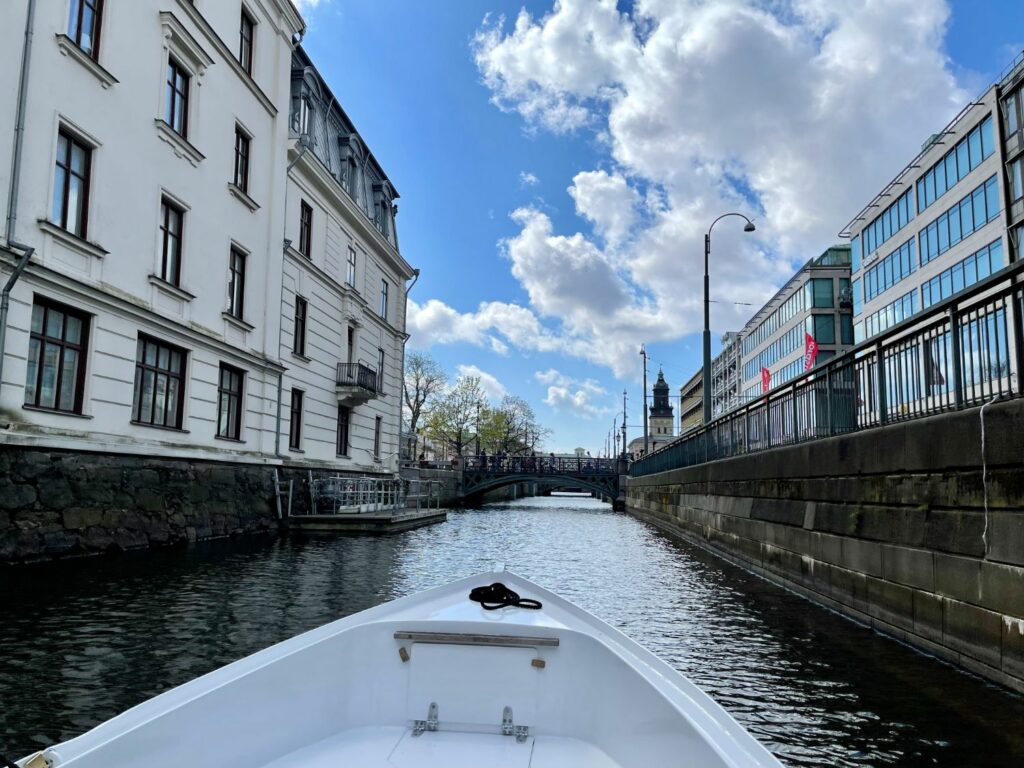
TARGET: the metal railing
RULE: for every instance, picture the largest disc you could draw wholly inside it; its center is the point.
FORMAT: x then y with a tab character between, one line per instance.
424	494
541	465
353	495
959	353
357	375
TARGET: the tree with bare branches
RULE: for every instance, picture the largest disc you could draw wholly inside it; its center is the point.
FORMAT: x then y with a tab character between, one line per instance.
424	383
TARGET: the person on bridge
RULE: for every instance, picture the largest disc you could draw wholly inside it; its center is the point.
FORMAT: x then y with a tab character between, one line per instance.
483	459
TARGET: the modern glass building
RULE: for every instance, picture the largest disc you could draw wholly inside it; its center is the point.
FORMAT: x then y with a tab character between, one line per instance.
949	219
816	303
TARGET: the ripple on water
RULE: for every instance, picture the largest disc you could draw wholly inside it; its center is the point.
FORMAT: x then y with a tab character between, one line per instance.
85	640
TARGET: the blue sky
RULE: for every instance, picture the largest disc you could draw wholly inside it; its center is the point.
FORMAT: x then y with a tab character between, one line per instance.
656	121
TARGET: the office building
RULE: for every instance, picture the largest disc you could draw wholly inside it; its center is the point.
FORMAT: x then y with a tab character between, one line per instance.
813	304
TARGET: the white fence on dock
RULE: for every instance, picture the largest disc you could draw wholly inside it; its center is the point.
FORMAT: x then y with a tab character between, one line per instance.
342	495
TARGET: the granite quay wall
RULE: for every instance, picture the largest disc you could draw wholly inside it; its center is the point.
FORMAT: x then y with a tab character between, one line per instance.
57	503
449	480
903	528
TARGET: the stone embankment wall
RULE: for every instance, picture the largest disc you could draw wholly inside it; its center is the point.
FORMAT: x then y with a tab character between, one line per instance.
56	503
449	482
896	527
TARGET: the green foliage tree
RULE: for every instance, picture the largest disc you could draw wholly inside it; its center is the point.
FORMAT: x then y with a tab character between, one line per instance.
453	419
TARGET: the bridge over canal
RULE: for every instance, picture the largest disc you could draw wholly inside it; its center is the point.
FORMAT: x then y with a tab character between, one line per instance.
481	474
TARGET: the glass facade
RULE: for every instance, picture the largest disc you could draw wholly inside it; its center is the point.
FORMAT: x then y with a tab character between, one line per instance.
960	220
775	351
887	272
888	223
975	267
964	157
789	309
822	328
886	317
819	293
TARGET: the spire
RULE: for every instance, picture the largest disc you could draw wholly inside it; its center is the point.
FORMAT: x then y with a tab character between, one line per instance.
661	407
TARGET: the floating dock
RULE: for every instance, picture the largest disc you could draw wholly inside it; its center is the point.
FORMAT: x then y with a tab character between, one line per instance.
386	521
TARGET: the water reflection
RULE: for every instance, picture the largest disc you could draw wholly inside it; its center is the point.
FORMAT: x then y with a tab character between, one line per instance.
84	640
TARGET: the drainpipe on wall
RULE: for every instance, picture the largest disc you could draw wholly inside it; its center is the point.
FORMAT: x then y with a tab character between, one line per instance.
304	144
12	197
401	391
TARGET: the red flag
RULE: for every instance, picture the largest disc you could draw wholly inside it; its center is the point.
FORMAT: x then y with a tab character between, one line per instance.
810	351
766	380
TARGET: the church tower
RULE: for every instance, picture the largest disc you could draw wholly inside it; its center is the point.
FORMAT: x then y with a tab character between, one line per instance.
662	423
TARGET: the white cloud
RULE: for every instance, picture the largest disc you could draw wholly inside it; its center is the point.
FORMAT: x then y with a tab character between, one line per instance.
551	376
608	201
572	396
308	5
494	325
794	112
527	179
493	388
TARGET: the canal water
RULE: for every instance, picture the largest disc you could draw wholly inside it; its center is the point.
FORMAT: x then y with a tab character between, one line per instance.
83	640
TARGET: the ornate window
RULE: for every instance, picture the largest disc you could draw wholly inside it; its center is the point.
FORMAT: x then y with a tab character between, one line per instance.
159	397
58	340
172	223
176	98
84	23
71	184
229	402
246	34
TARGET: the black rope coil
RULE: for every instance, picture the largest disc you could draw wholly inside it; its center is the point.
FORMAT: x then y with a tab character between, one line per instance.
497	595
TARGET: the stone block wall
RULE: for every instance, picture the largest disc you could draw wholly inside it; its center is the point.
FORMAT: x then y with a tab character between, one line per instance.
57	503
899	527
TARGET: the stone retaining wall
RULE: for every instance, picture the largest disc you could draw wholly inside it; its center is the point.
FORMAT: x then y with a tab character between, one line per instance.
55	503
887	526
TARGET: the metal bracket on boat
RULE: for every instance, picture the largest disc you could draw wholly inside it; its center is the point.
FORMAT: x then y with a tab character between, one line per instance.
430	724
509	728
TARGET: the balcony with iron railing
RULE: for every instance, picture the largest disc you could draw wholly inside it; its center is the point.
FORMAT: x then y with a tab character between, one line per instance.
356	383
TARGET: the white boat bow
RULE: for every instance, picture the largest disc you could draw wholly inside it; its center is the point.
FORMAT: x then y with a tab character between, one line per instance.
431	680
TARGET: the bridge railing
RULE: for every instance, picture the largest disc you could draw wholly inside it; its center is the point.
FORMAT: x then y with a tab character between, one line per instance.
541	465
961	352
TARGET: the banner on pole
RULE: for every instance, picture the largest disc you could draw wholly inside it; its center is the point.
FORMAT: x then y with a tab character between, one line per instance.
810	351
766	380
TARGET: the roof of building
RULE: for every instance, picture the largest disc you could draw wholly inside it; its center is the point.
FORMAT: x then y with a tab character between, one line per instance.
1013	71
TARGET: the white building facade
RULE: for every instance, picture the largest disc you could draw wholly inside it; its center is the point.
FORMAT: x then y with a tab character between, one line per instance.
156	312
343	307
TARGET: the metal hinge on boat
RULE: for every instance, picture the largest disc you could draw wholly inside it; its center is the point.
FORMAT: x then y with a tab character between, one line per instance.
430	724
509	728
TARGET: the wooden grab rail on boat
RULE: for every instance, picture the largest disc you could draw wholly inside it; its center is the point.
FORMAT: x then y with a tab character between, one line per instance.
462	638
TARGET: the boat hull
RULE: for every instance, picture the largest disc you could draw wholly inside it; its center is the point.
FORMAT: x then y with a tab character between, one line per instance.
432	679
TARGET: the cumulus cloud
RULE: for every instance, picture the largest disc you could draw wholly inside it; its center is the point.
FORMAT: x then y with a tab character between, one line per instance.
494	325
794	112
493	388
572	396
527	179
551	376
607	201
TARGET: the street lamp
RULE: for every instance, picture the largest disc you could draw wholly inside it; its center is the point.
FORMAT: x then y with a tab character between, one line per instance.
748	227
643	400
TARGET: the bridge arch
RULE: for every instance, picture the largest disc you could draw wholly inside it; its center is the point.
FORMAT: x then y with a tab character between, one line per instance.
603	485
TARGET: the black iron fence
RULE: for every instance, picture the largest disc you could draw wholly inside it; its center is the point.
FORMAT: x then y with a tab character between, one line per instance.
357	375
541	465
959	353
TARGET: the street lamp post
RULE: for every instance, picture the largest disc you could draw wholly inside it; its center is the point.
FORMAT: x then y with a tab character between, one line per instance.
643	400
748	227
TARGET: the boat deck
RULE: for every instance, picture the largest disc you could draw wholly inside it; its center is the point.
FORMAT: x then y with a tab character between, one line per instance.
396	747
